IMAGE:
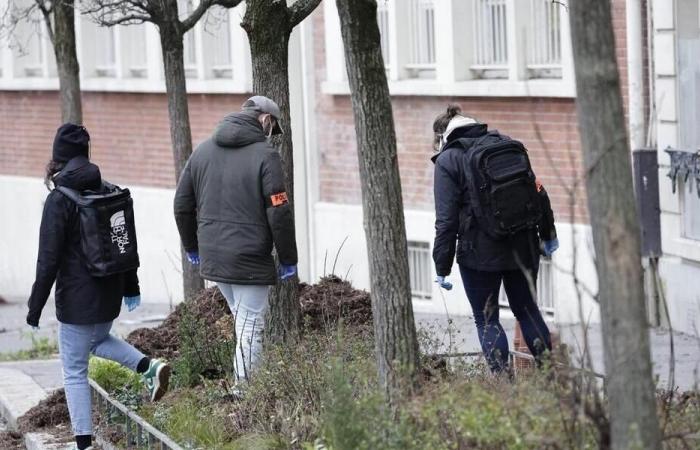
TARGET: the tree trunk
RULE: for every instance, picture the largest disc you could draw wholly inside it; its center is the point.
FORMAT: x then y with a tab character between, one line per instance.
630	388
394	326
268	27
67	61
180	133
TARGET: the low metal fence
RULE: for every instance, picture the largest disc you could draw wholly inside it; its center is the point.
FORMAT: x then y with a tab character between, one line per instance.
138	434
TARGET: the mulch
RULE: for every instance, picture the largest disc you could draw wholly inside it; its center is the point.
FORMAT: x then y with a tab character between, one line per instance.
11	440
50	412
322	305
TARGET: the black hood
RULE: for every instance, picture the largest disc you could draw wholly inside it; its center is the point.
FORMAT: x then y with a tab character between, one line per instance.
472	131
238	130
79	174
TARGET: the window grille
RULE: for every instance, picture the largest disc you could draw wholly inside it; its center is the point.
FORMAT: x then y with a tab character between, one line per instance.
422	27
490	34
384	30
544	59
420	270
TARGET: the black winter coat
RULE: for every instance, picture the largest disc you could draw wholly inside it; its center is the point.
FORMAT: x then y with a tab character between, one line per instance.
456	231
80	298
231	205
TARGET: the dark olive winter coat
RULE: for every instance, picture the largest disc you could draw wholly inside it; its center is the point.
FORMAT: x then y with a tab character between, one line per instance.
231	205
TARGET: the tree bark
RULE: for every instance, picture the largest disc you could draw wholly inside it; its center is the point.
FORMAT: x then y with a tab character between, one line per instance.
616	235
171	39
67	61
267	24
394	325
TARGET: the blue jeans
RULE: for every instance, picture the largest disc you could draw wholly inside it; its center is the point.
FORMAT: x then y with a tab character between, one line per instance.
482	290
248	304
76	342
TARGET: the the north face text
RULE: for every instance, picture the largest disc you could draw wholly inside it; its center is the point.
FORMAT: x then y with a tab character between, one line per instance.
120	234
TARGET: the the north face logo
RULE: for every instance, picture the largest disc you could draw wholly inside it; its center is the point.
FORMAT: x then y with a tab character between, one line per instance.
120	235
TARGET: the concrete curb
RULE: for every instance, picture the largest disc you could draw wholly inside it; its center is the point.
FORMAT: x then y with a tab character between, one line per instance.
43	441
18	394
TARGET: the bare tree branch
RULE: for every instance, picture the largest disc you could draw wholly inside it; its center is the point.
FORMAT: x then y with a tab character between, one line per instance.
46	10
121	12
300	10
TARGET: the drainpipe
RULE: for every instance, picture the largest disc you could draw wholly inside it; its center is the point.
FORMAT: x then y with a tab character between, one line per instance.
635	74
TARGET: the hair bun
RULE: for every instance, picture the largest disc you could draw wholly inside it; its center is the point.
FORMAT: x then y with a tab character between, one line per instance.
453	110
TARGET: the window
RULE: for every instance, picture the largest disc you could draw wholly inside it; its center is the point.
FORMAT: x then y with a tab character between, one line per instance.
544	60
422	22
217	37
544	288
31	47
133	53
689	106
105	54
185	8
420	270
490	38
383	22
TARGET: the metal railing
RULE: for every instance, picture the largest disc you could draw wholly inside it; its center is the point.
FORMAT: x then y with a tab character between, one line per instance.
420	270
139	434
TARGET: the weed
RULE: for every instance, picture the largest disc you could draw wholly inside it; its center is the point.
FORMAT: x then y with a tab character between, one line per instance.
42	348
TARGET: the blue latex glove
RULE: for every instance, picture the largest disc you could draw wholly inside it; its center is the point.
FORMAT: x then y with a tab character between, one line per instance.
285	272
132	302
549	247
34	329
446	285
193	257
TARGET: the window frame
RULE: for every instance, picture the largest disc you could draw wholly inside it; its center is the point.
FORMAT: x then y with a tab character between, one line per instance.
454	71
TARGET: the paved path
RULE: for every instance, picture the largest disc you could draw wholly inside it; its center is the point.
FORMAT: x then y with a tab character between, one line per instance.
686	348
15	334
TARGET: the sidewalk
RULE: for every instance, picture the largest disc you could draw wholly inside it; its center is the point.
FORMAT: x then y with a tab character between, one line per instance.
686	348
14	332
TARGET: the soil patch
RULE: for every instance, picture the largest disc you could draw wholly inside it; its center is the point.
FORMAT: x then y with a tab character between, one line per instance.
163	341
50	412
322	305
9	440
333	298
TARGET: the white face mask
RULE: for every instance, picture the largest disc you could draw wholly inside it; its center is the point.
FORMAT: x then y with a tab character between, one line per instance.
268	126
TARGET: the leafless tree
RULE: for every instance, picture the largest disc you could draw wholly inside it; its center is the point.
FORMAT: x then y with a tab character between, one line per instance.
59	19
172	27
633	419
269	25
394	326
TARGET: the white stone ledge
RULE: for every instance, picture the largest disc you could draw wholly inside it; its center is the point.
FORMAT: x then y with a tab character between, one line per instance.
472	88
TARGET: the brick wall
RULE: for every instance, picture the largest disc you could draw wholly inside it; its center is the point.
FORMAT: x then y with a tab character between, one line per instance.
130	132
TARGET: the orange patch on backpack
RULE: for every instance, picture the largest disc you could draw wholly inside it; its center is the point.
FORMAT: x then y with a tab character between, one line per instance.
279	199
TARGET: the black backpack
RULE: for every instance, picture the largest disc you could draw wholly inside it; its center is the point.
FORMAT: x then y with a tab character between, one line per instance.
107	229
502	188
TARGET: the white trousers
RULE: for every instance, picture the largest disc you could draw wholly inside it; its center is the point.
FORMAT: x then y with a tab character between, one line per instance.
248	304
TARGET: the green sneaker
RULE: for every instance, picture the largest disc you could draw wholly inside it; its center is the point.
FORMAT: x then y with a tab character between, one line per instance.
156	379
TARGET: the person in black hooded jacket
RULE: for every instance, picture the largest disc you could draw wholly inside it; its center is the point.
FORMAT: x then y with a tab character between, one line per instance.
85	305
485	262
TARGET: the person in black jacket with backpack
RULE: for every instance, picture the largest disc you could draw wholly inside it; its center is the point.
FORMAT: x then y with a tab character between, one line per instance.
86	304
492	213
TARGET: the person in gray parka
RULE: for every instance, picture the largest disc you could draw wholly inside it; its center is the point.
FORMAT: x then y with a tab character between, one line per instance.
231	208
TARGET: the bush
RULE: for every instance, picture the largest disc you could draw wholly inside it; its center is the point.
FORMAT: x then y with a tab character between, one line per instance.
206	350
124	385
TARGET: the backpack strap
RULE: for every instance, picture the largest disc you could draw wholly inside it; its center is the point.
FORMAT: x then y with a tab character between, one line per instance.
70	193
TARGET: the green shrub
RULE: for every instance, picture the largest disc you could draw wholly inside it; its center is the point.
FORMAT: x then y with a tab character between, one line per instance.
205	352
42	348
124	385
